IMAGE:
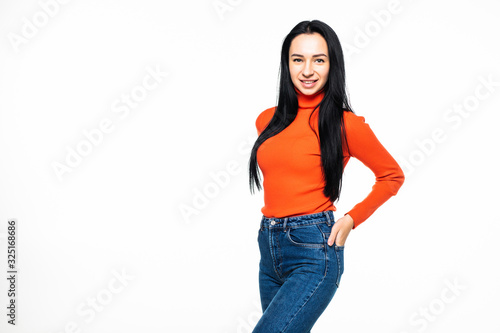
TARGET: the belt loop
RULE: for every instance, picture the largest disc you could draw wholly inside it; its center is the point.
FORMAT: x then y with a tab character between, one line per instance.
262	223
284	224
328	221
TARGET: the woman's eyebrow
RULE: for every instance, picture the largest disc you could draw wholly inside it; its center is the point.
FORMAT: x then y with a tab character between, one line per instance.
316	55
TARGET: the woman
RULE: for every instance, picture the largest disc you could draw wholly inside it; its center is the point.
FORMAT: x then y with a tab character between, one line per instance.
303	146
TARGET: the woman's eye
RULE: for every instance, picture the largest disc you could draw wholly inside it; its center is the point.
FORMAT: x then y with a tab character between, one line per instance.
297	60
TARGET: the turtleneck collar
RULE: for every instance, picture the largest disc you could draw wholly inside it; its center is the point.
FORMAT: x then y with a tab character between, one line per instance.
309	101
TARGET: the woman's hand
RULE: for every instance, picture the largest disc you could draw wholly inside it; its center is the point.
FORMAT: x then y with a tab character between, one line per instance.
340	230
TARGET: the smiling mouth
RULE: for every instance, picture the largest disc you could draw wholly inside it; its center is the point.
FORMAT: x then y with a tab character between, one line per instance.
308	81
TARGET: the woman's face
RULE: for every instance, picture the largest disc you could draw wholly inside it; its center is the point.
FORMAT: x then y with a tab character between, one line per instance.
309	63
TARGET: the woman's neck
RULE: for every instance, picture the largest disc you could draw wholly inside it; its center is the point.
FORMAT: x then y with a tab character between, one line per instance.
309	101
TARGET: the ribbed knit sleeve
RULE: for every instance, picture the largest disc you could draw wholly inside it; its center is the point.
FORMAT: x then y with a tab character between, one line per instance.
257	125
389	177
263	119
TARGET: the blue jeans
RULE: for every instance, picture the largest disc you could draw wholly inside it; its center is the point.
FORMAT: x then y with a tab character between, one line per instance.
298	271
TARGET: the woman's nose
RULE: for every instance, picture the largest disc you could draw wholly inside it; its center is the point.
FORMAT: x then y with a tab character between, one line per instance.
307	71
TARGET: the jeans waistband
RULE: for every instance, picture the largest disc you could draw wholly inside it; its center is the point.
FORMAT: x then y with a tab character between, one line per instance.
281	222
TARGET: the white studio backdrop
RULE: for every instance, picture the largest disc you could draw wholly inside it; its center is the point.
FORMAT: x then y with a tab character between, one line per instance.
125	132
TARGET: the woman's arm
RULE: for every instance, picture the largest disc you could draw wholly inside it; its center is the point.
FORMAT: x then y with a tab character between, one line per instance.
389	177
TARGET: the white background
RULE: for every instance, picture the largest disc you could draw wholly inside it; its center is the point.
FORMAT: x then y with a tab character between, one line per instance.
410	65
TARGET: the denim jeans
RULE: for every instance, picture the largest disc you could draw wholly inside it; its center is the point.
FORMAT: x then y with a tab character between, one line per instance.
298	271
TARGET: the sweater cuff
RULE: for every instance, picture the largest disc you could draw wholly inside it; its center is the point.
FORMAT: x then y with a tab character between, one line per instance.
355	218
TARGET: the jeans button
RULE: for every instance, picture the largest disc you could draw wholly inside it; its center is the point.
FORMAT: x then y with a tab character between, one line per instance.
272	222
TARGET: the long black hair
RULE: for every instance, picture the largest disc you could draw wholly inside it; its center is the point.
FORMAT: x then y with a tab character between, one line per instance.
331	109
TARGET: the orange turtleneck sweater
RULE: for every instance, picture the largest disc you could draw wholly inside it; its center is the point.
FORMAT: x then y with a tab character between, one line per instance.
291	164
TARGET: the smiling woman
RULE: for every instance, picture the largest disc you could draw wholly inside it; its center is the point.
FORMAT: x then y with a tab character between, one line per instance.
309	72
300	242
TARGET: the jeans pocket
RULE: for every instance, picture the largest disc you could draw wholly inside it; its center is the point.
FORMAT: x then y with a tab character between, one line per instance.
306	236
